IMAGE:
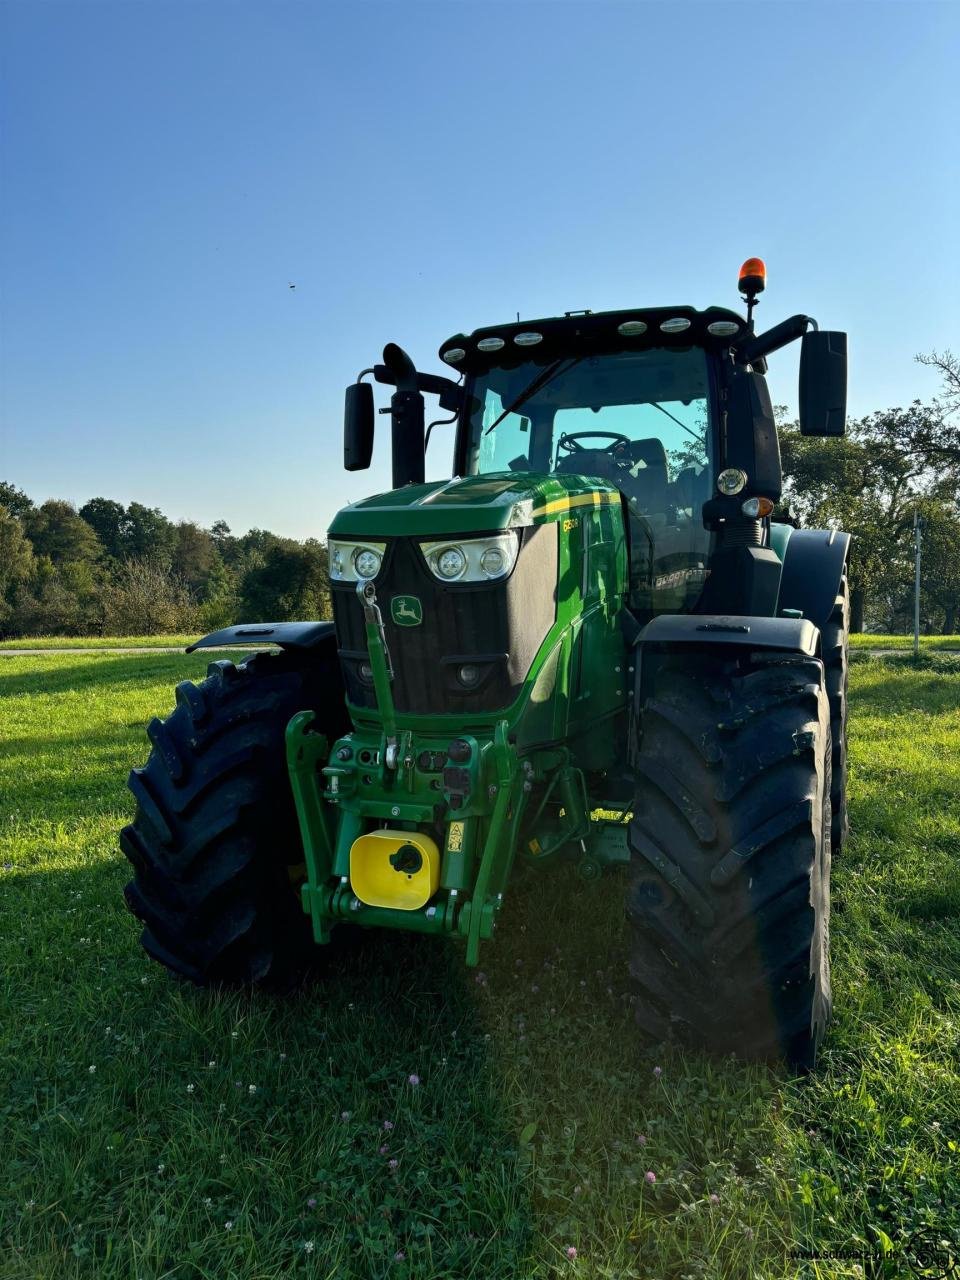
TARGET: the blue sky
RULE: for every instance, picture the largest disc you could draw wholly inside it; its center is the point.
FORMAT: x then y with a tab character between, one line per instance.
416	169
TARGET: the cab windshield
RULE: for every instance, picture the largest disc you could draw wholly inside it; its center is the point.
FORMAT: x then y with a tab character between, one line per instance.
639	420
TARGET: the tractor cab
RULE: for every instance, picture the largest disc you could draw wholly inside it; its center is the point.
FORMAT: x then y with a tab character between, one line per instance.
668	405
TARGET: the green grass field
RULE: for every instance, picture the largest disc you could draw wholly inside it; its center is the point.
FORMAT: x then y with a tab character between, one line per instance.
100	642
415	1119
931	643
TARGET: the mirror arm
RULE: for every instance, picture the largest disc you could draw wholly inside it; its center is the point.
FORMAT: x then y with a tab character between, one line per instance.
754	348
432	383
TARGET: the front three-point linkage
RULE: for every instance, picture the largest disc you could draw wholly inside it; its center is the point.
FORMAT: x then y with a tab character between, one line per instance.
382	669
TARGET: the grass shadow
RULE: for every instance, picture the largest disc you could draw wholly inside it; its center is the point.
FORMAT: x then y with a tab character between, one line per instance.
72	673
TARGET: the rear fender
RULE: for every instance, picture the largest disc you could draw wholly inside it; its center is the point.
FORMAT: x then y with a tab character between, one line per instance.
813	565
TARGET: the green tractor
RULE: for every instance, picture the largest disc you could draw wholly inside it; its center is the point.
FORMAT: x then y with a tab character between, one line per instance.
591	642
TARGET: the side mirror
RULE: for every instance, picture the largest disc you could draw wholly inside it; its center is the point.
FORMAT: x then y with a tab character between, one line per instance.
358	421
823	384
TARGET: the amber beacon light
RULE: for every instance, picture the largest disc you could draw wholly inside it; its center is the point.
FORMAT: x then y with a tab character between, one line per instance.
753	277
753	281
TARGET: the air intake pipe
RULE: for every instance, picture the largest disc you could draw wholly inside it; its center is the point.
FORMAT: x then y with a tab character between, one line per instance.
407	416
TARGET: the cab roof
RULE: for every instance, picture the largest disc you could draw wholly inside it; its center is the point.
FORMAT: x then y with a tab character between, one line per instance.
578	333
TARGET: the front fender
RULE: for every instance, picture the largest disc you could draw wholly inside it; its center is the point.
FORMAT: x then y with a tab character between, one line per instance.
706	630
286	635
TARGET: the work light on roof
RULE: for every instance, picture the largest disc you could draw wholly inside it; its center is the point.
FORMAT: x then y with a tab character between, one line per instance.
632	328
676	324
528	339
489	344
723	328
454	355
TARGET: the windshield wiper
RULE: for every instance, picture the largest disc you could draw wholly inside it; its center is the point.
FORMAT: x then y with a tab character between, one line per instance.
546	375
689	430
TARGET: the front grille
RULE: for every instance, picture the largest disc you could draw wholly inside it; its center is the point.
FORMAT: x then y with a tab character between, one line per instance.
496	626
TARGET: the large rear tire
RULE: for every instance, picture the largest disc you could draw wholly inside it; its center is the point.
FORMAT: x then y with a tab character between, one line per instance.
835	643
215	841
730	896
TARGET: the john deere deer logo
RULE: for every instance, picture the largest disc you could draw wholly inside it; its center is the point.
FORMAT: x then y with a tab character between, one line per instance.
406	611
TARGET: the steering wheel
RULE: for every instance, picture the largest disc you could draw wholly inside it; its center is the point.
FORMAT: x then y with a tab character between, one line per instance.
569	442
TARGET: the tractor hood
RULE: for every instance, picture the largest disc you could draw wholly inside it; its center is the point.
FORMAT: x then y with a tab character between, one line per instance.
476	504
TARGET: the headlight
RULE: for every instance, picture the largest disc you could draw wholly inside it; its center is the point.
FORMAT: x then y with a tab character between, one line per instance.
451	562
366	563
472	559
355	561
731	481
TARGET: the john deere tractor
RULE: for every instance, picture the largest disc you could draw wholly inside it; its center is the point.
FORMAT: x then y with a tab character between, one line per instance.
593	642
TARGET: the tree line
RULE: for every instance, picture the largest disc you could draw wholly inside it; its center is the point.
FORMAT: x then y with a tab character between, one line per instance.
889	468
110	569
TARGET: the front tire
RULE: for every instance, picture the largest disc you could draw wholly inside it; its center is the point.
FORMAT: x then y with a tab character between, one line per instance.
730	840
835	643
215	841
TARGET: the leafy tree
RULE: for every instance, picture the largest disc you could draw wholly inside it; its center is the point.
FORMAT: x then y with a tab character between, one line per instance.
147	534
14	500
106	518
949	367
286	579
196	560
16	553
870	483
16	561
50	607
146	598
57	531
940	563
